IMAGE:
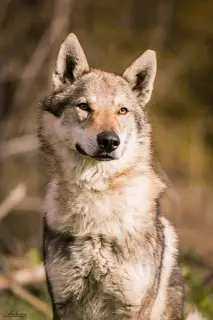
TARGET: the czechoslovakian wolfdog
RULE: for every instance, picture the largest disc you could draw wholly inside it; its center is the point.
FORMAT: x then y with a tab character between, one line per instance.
108	252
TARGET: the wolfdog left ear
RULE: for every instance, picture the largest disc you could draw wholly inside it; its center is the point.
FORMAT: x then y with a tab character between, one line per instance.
71	63
141	75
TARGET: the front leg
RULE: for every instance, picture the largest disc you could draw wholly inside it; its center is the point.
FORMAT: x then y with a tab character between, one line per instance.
56	256
175	296
64	312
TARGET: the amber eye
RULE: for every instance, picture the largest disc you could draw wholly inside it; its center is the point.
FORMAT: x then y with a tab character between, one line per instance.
84	106
123	111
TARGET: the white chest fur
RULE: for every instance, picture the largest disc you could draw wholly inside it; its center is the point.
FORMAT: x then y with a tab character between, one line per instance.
112	212
113	254
98	265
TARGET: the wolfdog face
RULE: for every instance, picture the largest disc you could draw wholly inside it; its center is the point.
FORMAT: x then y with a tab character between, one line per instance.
96	114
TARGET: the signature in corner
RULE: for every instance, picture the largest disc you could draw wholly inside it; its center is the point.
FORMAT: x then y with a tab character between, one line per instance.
12	314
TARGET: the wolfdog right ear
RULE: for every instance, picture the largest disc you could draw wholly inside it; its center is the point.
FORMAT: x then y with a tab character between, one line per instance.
71	63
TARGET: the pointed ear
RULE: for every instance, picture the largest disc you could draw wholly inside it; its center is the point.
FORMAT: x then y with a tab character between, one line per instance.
141	75
71	63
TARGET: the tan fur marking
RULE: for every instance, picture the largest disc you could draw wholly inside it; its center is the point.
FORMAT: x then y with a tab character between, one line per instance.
119	179
105	121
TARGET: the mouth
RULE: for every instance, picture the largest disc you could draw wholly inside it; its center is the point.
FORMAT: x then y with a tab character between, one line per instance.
99	156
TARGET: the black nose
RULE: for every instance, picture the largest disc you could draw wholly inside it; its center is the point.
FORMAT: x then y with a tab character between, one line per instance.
108	141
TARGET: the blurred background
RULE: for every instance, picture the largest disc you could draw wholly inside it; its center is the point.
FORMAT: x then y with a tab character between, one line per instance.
113	34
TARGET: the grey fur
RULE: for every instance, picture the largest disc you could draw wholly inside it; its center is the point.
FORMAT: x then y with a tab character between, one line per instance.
108	252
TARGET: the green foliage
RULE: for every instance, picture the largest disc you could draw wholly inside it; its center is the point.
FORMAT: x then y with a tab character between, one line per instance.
198	279
33	257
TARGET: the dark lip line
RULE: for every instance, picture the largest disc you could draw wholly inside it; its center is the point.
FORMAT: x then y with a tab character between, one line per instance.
82	152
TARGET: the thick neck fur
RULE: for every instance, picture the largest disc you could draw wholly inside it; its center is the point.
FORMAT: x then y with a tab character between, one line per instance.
114	199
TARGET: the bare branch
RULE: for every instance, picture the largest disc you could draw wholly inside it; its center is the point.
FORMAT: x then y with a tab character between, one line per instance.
60	17
30	203
32	69
18	145
41	52
15	280
24	277
15	196
4	10
22	293
17	262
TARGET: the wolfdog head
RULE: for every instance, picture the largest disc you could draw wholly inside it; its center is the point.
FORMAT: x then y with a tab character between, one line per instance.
95	115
